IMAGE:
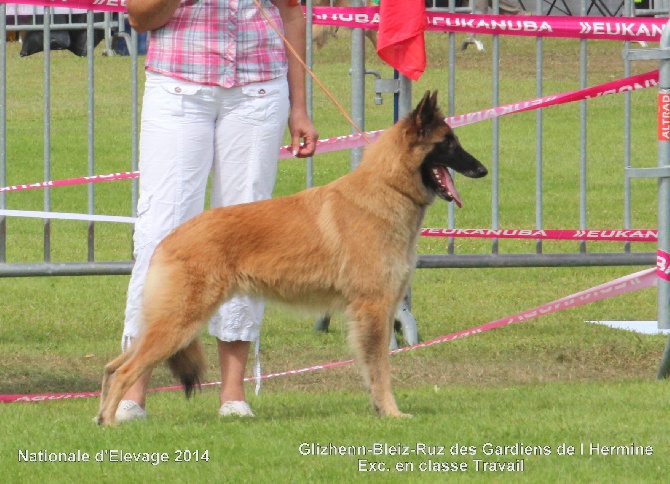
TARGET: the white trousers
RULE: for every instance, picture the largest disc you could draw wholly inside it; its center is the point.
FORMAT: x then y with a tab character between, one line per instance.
189	131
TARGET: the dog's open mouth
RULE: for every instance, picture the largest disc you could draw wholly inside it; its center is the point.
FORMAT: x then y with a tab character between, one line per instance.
446	188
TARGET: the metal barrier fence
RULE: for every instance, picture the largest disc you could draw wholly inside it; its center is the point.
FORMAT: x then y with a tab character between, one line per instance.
29	20
582	257
66	28
539	258
662	173
402	92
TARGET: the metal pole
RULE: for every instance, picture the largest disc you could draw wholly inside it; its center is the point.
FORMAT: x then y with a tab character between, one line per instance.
664	206
539	76
357	84
582	136
451	213
47	129
627	219
3	130
495	138
90	33
134	123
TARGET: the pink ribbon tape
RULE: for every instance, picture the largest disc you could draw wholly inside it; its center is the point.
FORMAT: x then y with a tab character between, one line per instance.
609	28
572	27
641	81
663	265
595	235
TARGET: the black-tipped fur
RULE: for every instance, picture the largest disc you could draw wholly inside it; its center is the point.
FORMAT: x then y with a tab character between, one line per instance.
188	366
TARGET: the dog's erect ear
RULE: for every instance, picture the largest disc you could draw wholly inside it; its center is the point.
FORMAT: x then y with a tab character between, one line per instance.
425	111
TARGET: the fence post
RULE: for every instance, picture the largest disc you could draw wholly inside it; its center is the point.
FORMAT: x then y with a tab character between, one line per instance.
662	54
3	130
357	84
664	191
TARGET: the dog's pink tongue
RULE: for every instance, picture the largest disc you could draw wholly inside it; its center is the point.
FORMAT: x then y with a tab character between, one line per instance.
448	182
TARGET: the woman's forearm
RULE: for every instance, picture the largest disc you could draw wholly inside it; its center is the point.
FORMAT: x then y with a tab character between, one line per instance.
294	31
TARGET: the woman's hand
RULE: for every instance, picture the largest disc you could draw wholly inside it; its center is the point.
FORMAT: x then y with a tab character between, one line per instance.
301	128
299	124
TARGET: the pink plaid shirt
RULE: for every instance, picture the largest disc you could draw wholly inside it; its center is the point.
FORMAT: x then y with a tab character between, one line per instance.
219	43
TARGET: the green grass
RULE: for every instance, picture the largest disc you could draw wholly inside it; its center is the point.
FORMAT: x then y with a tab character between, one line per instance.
546	382
269	446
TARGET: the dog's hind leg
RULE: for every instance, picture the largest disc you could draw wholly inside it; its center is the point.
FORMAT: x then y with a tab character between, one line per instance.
110	368
174	309
370	336
159	341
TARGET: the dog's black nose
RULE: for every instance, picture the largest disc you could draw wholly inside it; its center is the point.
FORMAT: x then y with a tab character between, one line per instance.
482	171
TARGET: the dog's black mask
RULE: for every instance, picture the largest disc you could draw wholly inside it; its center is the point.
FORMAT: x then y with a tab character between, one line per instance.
447	153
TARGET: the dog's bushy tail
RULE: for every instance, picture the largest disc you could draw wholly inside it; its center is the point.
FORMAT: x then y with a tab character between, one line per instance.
188	365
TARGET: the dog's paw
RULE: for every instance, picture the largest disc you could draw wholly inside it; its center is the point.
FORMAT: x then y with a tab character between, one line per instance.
399	415
101	422
395	414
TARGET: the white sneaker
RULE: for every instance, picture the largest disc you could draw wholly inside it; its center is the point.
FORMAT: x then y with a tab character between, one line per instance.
129	410
236	409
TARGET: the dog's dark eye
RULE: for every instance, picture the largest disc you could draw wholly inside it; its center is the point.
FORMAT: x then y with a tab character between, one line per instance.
446	143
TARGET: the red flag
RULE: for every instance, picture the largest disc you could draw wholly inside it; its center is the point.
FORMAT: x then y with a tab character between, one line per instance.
401	43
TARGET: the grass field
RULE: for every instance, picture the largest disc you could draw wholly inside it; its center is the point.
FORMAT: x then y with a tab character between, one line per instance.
556	398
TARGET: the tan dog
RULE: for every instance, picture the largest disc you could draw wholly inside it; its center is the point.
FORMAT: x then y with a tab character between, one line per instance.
321	33
349	245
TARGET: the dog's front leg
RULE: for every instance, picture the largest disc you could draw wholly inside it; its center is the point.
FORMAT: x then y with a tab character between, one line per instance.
371	333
